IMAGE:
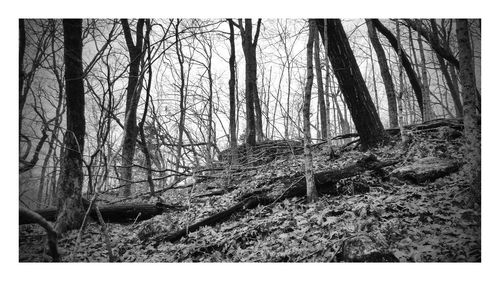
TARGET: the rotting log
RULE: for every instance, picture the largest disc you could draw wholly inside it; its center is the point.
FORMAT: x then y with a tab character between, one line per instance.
122	213
325	184
426	170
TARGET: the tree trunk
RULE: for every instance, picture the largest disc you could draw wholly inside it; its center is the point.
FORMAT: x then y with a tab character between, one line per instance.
327	82
472	120
404	137
70	208
353	86
412	76
319	80
312	194
254	113
386	75
232	96
180	58
145	149
133	94
22	48
426	100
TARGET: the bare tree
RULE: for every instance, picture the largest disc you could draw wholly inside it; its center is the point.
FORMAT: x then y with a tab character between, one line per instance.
412	76
70	208
319	81
312	194
254	112
232	95
426	100
472	120
386	75
134	88
353	86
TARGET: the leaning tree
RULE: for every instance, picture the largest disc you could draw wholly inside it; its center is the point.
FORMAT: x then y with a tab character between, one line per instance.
351	83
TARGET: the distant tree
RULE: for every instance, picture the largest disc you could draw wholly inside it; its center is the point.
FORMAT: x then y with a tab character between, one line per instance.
352	85
254	112
70	208
134	88
448	74
312	194
432	38
472	120
385	73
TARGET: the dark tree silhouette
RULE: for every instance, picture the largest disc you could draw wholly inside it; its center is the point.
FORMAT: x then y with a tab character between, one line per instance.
69	205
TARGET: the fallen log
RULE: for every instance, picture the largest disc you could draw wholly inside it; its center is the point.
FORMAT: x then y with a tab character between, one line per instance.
32	217
426	170
325	184
122	213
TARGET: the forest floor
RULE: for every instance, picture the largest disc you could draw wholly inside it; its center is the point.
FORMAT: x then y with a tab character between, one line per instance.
430	222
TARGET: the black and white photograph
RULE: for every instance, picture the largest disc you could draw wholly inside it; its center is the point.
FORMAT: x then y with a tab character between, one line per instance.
248	139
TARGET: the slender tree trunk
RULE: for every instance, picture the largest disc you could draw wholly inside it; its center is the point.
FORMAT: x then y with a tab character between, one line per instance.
319	80
70	208
386	75
232	96
180	58
356	95
412	76
250	80
22	48
327	84
426	99
134	88
145	149
312	194
404	137
472	120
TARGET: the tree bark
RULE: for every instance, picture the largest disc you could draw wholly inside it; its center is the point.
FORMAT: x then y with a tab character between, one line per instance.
353	86
22	48
134	88
312	194
412	76
426	100
386	75
233	138
472	120
254	113
321	92
404	136
70	208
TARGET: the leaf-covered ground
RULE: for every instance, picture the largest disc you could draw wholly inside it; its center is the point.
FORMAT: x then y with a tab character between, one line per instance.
417	223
